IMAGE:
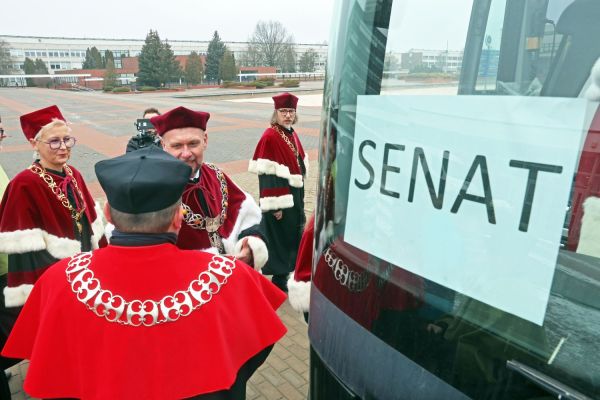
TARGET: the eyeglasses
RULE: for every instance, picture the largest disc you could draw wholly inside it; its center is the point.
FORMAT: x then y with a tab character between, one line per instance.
287	111
54	144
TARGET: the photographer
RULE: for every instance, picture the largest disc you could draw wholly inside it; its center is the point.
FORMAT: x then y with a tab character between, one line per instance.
146	135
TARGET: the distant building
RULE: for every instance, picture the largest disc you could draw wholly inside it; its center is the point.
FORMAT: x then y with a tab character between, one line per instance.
61	53
437	60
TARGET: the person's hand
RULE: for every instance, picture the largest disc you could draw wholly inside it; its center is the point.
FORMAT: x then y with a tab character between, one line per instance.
278	215
245	253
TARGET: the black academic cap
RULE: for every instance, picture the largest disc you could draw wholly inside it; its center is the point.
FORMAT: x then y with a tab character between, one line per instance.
143	181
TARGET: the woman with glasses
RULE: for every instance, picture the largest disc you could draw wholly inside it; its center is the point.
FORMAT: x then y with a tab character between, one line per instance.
281	164
47	212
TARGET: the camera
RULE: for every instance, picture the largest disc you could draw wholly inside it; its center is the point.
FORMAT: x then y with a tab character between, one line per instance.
143	127
146	136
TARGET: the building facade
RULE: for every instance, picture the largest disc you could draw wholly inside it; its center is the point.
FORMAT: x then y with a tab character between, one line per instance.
439	60
61	53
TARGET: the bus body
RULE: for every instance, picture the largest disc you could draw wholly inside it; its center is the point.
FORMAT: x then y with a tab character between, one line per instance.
457	228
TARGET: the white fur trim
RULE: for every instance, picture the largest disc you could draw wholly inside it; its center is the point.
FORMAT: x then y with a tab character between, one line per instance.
108	230
211	250
248	215
299	294
36	239
262	166
260	254
17	296
593	92
97	227
589	238
276	203
306	163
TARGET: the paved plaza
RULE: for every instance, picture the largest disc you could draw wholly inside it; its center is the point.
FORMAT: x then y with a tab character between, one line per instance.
103	123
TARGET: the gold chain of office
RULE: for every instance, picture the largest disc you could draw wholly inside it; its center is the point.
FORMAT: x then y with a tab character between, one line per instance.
64	200
198	221
289	143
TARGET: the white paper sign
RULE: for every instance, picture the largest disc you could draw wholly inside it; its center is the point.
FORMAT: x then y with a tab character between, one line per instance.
491	227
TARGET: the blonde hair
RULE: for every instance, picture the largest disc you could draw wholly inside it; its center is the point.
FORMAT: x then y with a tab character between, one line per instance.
274	117
55	123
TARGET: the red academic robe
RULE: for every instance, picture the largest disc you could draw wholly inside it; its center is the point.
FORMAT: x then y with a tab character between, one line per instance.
273	156
281	171
76	353
32	219
299	283
242	213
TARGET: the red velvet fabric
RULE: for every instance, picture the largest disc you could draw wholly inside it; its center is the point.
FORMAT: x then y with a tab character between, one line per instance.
304	260
271	146
29	203
285	100
75	353
32	123
194	239
179	117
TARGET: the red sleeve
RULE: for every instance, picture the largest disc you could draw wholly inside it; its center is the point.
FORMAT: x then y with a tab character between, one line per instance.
304	261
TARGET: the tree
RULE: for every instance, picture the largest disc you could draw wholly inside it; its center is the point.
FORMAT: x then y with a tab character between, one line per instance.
149	60
157	62
391	62
289	59
110	76
93	59
6	61
170	70
214	55
40	68
194	69
108	56
308	61
29	68
228	67
270	41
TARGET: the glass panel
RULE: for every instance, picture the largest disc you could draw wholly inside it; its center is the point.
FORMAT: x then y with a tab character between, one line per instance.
518	48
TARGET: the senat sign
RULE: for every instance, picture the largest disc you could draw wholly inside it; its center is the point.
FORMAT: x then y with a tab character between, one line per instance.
467	191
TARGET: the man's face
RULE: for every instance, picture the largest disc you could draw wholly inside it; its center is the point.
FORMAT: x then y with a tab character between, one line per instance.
285	116
187	145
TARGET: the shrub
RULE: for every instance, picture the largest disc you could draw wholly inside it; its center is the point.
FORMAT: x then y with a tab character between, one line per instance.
260	84
228	84
121	89
290	83
267	81
147	89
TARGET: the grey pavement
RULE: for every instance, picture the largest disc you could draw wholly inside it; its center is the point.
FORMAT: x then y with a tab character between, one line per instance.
104	122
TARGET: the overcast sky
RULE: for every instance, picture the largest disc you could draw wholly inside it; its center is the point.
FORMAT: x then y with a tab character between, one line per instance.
308	20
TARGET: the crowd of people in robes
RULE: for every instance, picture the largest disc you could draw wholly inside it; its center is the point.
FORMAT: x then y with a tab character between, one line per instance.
103	301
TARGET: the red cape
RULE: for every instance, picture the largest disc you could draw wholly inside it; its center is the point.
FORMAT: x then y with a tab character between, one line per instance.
75	353
242	212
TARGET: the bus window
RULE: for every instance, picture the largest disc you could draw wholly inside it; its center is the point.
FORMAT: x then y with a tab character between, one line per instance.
458	207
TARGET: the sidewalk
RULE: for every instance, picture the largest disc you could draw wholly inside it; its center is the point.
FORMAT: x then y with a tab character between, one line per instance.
285	373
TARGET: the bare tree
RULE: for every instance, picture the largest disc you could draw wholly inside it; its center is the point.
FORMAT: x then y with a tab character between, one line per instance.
269	44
